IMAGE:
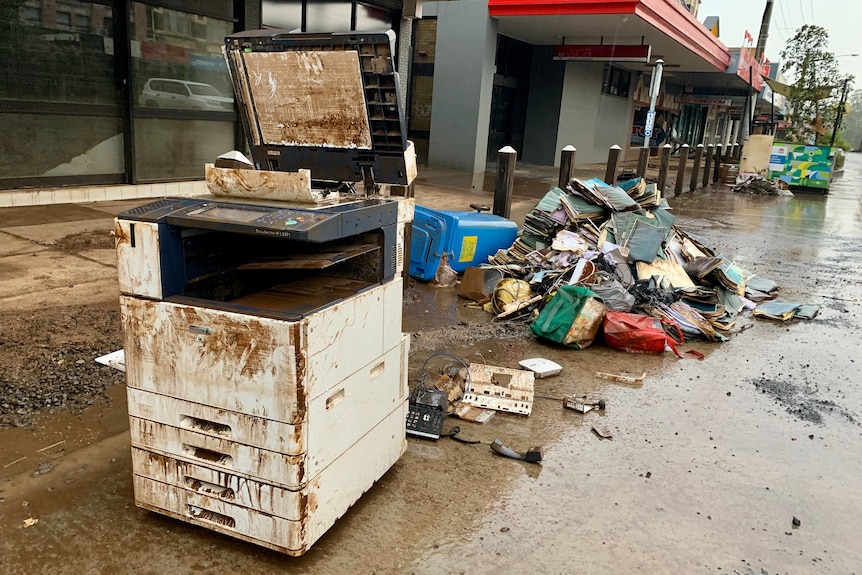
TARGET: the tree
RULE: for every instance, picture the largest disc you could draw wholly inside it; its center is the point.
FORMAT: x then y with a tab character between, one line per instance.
814	95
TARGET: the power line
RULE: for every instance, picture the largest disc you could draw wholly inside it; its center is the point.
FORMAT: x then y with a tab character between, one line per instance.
802	12
811	4
784	20
783	17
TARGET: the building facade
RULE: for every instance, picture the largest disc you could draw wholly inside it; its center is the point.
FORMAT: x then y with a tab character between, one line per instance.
119	93
540	75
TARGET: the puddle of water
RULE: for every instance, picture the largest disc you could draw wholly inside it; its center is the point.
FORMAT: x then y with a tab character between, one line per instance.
56	434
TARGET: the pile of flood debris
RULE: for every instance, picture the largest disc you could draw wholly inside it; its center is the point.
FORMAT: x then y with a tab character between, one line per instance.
757	184
594	257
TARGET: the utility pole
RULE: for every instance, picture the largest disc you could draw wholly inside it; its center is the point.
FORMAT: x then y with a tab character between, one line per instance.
839	117
750	98
764	31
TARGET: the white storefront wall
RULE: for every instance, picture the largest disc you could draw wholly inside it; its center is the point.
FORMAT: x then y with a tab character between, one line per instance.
589	120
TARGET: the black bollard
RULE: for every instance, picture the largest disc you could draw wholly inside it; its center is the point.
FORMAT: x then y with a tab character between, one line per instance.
643	159
567	166
613	162
680	170
505	183
710	152
718	151
664	162
695	169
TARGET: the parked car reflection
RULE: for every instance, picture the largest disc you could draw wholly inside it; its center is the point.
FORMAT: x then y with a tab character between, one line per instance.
172	93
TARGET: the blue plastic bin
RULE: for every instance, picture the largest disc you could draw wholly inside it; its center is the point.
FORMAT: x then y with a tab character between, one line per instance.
468	237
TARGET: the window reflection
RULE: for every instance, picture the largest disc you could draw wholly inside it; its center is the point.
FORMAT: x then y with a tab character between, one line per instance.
171	93
368	19
285	14
324	16
177	61
328	16
58	52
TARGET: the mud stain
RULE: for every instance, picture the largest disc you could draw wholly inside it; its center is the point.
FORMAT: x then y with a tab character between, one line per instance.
82	241
800	400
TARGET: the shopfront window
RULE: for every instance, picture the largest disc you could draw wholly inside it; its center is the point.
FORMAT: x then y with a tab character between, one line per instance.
183	97
46	146
616	81
61	107
177	61
178	149
63	90
60	53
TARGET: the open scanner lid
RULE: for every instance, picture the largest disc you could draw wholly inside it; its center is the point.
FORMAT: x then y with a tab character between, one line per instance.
328	102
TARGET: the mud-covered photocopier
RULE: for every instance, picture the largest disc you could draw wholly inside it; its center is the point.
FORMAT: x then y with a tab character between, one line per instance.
266	368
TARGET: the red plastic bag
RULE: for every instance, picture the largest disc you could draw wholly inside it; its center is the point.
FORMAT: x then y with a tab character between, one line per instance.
638	333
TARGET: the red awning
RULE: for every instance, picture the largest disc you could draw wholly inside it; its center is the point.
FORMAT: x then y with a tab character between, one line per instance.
667	18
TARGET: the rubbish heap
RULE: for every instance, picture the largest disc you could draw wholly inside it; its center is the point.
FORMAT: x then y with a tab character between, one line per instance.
757	184
620	243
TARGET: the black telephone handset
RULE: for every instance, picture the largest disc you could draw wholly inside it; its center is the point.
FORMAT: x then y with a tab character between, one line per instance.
426	411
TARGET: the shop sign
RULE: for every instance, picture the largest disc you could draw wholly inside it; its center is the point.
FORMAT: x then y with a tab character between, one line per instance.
209	62
705	100
602	53
164	53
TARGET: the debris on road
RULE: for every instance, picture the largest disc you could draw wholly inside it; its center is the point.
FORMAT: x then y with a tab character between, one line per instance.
508	296
622	378
11	463
541	367
584	403
601	431
115	359
500	388
445	276
619	245
426	412
785	310
473	414
61	442
453	434
532	455
757	184
478	284
572	317
638	334
43	469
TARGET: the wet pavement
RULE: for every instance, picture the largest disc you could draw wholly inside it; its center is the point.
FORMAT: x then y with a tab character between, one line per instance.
709	463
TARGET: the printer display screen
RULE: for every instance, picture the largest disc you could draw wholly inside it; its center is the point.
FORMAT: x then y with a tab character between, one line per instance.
230	214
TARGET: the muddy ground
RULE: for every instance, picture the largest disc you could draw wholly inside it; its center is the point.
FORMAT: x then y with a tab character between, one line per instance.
709	463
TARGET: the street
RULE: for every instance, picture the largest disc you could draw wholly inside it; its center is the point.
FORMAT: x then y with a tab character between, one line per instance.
710	461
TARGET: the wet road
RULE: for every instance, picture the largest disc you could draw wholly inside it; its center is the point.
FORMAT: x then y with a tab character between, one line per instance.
709	463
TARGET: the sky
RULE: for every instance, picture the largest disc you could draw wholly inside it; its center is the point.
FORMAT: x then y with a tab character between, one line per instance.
838	17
